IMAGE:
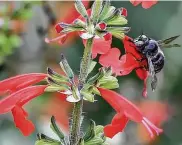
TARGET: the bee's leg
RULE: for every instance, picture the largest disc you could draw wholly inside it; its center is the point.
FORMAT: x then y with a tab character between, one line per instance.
140	60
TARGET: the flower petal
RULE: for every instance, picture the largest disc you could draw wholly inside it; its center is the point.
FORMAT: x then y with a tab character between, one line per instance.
100	46
25	126
148	4
130	47
111	58
119	122
20	97
135	2
121	104
143	75
19	82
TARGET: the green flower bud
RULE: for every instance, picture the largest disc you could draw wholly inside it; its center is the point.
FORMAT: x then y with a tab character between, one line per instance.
96	10
116	19
45	142
66	68
81	8
88	96
55	88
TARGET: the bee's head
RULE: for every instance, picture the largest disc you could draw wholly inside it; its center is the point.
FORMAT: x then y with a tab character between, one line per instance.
141	40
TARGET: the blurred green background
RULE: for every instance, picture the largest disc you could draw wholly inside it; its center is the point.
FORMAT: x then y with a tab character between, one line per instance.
29	53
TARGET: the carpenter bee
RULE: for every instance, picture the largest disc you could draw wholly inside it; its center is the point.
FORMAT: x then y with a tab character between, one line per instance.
151	50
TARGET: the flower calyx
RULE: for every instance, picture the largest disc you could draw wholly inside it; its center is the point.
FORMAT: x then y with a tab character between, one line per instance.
105	20
105	79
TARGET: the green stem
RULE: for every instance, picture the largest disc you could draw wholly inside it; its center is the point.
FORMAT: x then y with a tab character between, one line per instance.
78	107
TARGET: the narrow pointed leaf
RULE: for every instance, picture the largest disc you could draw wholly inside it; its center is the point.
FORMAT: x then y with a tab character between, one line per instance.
56	128
81	8
66	68
90	134
96	10
92	65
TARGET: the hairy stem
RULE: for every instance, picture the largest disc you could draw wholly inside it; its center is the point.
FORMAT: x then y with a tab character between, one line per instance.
77	109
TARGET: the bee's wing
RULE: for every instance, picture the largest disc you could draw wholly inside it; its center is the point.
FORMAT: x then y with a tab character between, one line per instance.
166	42
152	74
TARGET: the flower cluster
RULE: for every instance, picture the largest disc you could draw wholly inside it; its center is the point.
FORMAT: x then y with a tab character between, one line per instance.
95	26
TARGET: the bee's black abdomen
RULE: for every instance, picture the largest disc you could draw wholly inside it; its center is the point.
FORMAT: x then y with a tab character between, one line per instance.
158	62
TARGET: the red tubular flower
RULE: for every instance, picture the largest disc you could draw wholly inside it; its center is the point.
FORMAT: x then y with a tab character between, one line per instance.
133	60
19	82
145	4
112	59
20	94
14	103
126	110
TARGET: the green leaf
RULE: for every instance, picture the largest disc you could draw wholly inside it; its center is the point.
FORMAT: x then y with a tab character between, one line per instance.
116	19
107	12
44	142
66	68
55	88
81	141
81	8
95	141
108	82
99	129
55	128
92	65
96	10
90	134
88	96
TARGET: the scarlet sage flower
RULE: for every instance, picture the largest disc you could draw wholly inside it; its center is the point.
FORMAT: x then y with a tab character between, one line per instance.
69	14
126	111
133	60
100	25
145	3
20	93
19	82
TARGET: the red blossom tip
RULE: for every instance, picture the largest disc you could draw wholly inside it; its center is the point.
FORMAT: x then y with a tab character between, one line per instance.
102	25
58	28
18	82
21	122
124	12
61	39
20	97
107	36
